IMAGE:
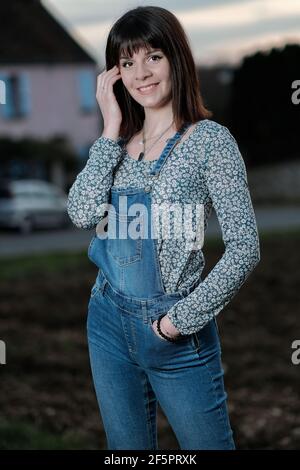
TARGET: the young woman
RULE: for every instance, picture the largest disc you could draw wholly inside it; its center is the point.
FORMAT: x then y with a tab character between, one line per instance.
152	330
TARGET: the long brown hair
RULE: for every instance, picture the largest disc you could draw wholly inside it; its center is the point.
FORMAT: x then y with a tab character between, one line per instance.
156	27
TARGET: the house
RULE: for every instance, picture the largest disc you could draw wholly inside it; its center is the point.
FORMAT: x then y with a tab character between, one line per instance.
47	87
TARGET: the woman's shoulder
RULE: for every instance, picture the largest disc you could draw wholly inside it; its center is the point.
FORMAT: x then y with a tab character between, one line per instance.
221	149
212	136
209	126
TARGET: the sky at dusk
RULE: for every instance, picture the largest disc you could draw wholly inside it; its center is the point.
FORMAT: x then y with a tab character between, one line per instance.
219	31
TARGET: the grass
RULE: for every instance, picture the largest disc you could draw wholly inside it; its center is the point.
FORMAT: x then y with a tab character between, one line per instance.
18	267
20	435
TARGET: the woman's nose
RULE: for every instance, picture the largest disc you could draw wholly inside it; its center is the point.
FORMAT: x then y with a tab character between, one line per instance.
141	72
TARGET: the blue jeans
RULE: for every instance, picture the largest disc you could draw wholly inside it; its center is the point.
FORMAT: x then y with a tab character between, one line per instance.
133	368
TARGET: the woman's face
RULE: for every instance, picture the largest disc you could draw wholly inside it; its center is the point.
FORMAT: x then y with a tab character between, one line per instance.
146	68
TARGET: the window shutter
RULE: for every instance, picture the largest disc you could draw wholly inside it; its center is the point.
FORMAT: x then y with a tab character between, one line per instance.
87	90
25	94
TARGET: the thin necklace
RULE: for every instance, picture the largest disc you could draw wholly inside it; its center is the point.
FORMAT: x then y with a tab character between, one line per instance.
142	154
141	142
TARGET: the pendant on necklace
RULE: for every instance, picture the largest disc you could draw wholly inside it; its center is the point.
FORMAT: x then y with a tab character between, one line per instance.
141	156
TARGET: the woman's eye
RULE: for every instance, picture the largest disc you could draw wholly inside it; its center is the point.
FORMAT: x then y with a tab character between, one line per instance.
154	55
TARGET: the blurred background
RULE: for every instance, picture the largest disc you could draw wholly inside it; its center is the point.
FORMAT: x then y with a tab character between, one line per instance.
51	51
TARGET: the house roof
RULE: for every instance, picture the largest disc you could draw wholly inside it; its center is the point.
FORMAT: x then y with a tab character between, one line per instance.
30	34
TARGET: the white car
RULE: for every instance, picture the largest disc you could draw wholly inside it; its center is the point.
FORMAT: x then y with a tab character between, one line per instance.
32	203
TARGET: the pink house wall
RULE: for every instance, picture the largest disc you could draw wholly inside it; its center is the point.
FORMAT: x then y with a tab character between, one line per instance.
55	105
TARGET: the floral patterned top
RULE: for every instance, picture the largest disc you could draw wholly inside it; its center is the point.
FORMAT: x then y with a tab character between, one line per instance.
207	168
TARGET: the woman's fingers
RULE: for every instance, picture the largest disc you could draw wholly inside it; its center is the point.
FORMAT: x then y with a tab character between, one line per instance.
105	78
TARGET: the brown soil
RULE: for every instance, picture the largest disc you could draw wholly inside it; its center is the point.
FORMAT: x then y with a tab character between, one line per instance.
47	381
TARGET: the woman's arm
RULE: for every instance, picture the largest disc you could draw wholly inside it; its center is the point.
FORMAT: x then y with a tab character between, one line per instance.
91	187
226	180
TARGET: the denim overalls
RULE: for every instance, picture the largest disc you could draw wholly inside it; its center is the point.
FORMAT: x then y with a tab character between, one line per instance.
132	367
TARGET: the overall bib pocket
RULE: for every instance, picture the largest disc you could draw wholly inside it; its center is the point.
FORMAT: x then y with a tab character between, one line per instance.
128	248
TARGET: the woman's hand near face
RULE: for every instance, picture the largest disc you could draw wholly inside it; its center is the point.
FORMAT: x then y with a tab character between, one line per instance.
107	101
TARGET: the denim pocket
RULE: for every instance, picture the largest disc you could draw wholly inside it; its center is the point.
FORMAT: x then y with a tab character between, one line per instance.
125	250
95	290
160	338
195	341
182	339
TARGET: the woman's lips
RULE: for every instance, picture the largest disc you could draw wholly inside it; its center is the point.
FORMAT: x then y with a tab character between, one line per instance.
147	90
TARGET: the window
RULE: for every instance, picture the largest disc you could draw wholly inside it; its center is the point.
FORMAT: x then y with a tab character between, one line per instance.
87	91
17	96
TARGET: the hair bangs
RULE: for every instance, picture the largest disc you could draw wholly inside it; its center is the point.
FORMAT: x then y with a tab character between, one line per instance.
134	34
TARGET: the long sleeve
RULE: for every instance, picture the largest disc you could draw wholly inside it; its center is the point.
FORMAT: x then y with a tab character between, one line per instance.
226	181
90	189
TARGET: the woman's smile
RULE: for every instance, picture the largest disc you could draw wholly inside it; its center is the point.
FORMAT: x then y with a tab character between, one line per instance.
148	89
